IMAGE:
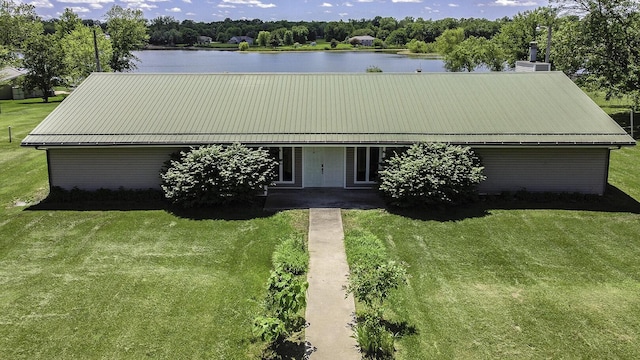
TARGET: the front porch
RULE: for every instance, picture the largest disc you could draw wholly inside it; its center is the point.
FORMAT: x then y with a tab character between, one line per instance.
285	199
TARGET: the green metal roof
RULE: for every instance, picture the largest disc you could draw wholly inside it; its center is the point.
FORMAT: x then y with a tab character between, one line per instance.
190	109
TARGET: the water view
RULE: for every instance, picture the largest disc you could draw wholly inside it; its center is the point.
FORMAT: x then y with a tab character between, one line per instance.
185	61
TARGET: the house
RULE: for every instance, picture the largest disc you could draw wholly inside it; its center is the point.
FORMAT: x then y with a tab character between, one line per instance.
534	131
362	40
204	40
8	80
239	39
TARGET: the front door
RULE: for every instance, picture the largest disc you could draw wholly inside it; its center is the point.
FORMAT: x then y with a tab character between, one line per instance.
323	166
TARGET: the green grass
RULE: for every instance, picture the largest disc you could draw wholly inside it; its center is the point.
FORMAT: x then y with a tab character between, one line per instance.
124	284
511	283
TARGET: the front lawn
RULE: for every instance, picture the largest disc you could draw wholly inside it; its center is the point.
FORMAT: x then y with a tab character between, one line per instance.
124	283
500	282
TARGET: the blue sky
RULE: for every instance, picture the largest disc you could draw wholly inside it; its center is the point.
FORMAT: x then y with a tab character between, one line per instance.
267	10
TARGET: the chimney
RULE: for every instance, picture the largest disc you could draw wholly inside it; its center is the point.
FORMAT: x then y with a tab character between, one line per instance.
533	51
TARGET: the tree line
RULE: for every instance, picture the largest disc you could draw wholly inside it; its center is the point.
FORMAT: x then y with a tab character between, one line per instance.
595	41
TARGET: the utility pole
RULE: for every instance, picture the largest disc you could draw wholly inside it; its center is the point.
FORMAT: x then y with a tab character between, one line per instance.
95	48
547	52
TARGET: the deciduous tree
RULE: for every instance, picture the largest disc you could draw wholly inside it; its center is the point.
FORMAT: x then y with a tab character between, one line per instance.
79	53
44	61
128	32
611	36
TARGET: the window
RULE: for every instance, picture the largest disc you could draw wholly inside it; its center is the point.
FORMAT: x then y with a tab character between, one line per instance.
367	163
285	158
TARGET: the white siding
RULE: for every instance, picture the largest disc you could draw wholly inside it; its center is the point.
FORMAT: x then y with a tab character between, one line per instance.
545	170
108	168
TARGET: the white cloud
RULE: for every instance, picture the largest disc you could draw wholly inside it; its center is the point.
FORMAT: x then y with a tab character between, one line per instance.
139	4
187	1
326	5
365	1
80	9
174	10
343	14
85	1
348	4
514	3
225	6
250	3
42	4
406	1
453	5
191	14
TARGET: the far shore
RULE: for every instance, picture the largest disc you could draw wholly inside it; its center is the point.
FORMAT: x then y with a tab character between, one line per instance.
304	48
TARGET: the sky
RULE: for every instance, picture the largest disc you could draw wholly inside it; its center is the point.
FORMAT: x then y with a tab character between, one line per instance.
292	10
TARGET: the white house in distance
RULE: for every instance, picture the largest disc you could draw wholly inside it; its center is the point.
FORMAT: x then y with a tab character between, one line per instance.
365	40
534	131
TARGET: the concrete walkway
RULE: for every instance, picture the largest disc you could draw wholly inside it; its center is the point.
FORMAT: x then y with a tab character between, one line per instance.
329	313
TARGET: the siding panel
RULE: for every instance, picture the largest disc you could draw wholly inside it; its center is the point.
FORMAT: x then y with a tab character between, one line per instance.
545	170
92	169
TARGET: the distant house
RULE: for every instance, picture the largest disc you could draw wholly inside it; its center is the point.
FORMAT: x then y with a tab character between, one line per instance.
534	131
239	39
204	40
8	80
362	40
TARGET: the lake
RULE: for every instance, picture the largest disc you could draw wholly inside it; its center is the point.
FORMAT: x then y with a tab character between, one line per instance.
204	61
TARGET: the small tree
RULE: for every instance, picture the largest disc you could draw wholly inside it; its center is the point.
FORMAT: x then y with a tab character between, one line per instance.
431	173
243	46
288	38
263	38
216	174
334	43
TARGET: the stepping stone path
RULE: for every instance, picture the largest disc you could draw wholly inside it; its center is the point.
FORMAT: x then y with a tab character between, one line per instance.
329	313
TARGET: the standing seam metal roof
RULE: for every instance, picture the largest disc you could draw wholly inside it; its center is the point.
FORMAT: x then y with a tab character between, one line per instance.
192	109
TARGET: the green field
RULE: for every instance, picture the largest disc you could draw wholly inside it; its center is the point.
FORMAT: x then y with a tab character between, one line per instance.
127	283
512	279
496	279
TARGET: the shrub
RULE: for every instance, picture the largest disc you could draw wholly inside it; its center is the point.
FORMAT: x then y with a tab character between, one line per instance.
431	173
216	174
373	338
334	43
371	280
291	256
281	318
373	69
243	46
417	46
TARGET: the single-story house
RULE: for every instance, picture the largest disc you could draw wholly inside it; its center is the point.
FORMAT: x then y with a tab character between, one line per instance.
239	39
203	40
8	80
534	131
365	40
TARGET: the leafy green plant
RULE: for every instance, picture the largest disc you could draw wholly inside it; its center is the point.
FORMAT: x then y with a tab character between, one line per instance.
243	46
373	338
291	256
286	295
431	173
372	283
372	279
373	69
269	329
217	174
